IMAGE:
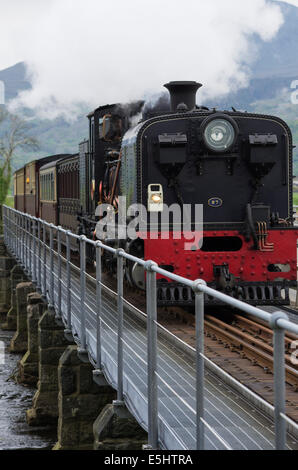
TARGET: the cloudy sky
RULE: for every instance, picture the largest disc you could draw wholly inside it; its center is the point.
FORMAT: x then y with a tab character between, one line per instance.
292	2
98	51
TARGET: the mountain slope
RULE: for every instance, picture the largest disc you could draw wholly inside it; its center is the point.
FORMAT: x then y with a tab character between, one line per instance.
14	79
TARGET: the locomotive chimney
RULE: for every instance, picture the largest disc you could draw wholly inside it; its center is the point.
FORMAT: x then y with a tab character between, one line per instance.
183	92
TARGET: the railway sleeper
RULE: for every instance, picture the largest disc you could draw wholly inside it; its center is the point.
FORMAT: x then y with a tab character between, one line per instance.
250	352
171	293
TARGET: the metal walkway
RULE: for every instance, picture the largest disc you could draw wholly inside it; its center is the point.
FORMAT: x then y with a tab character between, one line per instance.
230	421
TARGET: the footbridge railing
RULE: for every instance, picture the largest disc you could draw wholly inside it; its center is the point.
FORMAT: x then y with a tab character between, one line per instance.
44	250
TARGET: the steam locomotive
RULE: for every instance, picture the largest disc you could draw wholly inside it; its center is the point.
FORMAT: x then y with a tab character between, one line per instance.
237	165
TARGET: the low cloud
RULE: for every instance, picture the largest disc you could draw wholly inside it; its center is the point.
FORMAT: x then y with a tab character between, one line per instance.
96	52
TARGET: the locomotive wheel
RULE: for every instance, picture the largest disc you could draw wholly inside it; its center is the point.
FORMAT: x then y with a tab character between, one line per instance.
134	272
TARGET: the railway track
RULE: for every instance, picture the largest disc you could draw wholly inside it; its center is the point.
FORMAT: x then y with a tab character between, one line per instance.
253	341
241	347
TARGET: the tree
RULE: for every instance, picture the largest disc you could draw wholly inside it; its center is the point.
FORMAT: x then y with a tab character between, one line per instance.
15	135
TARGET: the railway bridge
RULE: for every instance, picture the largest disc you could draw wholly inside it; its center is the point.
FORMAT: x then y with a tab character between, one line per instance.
109	373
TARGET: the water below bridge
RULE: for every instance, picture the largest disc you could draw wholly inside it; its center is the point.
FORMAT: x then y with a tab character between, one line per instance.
15	399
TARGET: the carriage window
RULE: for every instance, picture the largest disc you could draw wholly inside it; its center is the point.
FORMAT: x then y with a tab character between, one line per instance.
52	187
47	189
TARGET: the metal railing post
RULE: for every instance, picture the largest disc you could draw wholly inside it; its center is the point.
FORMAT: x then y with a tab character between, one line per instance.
4	222
68	283
26	243
11	232
98	304
34	277
24	225
83	291
52	299
19	237
279	380
16	234
200	366
9	229
15	238
44	236
39	253
30	245
59	274
22	239
6	225
152	356
119	253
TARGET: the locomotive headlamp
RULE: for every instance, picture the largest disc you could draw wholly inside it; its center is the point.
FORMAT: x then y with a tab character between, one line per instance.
155	198
219	133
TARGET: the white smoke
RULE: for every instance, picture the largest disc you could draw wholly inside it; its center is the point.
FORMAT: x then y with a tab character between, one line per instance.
101	51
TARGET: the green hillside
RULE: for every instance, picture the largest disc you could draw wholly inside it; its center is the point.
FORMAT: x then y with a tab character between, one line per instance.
54	137
58	136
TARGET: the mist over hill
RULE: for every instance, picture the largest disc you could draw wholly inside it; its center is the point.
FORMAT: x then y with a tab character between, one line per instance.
54	135
269	91
278	57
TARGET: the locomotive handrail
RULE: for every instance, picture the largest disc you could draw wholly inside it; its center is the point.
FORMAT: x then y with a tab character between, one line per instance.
22	235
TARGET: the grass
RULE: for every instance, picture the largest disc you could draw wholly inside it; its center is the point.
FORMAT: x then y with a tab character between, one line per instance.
9	201
295	199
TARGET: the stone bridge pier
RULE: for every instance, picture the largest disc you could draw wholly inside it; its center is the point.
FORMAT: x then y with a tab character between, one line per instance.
70	395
